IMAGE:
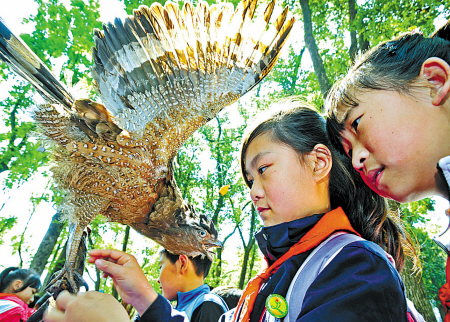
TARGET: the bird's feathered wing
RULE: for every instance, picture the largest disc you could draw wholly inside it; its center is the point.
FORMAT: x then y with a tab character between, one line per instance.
162	74
169	71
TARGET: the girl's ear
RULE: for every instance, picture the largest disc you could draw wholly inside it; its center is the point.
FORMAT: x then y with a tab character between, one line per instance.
437	72
16	285
321	156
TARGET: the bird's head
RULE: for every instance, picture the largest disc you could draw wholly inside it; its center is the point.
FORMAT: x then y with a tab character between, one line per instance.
194	238
207	236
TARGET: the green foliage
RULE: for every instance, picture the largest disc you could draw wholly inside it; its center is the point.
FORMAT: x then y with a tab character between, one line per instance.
433	262
5	225
19	153
430	254
63	32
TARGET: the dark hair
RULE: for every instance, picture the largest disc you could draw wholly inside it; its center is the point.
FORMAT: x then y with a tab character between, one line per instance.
302	128
201	263
392	65
27	276
230	295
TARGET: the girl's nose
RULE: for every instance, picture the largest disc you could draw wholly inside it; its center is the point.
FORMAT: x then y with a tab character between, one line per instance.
359	156
256	192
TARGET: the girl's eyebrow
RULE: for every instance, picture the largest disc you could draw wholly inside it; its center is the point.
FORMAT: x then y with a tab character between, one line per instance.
347	113
257	157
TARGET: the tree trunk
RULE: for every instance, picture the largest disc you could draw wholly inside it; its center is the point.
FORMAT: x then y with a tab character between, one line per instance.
414	287
58	265
364	44
247	247
45	249
415	291
310	42
353	39
245	263
252	262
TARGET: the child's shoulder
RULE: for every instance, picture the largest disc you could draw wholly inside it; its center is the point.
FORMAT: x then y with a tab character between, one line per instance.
369	247
359	281
366	256
358	263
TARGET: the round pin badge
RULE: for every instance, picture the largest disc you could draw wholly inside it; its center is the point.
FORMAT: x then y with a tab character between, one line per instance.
277	306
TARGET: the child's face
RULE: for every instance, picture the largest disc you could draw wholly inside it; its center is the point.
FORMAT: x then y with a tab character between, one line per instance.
283	188
168	278
27	295
394	143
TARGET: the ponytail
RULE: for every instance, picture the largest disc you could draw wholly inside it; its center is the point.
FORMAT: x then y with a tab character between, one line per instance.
369	213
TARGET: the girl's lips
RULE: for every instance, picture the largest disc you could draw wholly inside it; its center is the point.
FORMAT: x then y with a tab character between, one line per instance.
261	209
374	176
378	177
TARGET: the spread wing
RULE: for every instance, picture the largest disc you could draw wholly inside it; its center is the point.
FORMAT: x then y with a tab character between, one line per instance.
162	74
169	71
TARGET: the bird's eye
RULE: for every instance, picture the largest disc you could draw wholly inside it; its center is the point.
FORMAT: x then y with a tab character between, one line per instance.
202	233
356	123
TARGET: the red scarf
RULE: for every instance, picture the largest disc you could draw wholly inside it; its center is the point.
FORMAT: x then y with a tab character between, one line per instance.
332	221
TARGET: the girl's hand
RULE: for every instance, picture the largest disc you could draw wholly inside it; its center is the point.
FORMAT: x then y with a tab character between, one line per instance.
128	278
89	306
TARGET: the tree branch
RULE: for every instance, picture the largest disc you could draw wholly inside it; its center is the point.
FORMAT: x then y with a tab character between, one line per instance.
310	42
353	39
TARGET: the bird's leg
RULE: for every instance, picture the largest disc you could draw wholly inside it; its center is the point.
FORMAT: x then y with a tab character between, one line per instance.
70	276
45	300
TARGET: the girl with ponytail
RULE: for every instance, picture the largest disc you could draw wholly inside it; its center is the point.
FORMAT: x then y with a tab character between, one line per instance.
307	200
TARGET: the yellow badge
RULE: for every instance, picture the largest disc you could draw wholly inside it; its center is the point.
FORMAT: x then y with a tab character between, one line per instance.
277	306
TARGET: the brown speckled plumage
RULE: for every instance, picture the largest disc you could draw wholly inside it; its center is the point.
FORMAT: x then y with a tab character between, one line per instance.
162	74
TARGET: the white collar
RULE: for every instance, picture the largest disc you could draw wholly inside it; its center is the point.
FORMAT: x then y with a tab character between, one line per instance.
444	163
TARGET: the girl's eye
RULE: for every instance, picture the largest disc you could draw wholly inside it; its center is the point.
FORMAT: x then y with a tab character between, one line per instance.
262	169
356	123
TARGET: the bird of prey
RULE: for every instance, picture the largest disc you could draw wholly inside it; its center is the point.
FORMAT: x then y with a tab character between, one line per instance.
161	74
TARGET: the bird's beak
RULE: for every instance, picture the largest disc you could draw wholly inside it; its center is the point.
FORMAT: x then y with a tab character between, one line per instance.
207	247
216	244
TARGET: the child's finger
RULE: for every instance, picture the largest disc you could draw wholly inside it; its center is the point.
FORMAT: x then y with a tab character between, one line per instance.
64	299
109	268
104	253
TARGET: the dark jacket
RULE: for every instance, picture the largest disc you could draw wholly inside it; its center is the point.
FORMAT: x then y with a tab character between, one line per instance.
359	284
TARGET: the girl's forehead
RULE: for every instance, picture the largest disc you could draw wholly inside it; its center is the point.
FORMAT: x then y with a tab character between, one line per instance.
258	144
